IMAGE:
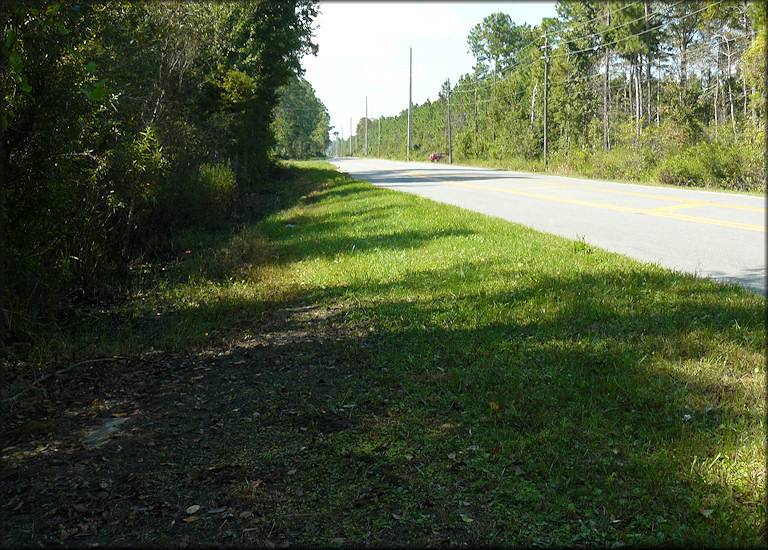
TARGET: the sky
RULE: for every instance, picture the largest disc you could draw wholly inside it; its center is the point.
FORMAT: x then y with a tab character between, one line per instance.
364	48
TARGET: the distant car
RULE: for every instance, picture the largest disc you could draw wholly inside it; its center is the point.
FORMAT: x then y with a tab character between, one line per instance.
434	157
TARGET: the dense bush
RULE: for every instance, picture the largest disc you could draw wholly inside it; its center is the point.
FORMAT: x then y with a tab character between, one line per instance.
125	123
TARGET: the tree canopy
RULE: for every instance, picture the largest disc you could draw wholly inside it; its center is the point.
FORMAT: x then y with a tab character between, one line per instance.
125	123
672	92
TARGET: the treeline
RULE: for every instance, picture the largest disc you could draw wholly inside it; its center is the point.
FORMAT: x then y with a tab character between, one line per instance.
127	122
672	92
301	123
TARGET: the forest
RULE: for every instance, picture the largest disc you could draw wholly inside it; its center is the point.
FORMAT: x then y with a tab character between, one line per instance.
664	92
125	124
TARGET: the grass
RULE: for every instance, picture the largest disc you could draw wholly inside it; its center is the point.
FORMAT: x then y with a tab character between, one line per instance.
504	387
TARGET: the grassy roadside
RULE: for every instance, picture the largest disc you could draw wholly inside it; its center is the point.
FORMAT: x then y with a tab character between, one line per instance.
500	386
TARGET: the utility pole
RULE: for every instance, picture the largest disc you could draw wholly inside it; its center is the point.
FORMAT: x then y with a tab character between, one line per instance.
341	145
410	95
450	140
546	96
366	126
378	154
350	136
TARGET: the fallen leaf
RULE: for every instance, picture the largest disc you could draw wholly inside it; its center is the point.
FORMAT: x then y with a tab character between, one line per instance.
246	514
495	449
494	406
408	457
256	483
518	471
395	516
268	543
706	513
291	472
190	519
464	503
452	456
466	519
95	401
217	510
192	509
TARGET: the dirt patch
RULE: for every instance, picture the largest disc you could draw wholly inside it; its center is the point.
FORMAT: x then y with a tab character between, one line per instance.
190	449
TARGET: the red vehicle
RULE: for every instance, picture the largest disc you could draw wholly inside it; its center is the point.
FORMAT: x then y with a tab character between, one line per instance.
434	157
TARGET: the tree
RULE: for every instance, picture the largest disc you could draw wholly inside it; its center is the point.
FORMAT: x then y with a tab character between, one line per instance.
301	122
126	121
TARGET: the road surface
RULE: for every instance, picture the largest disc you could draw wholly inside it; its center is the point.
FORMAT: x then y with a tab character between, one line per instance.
710	234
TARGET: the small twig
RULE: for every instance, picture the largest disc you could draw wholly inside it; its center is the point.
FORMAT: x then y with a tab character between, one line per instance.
60	371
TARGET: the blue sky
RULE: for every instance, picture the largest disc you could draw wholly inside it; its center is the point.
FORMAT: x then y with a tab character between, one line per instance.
363	51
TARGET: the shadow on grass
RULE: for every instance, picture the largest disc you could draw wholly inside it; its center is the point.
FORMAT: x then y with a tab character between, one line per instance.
605	405
609	388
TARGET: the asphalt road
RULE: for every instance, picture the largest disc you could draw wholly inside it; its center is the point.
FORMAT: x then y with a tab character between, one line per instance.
717	235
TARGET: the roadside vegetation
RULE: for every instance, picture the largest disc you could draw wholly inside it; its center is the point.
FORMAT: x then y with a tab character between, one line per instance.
204	345
409	372
125	124
659	92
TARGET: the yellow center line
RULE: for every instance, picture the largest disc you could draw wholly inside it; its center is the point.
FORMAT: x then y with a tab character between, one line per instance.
662	213
679	206
723	223
616	191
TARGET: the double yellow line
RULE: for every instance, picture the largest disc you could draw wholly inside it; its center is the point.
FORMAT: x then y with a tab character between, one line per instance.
663	212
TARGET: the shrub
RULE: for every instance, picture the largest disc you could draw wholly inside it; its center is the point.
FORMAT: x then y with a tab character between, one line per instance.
209	196
682	169
706	165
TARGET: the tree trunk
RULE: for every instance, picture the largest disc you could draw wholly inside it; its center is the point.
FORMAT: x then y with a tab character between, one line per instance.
607	92
707	105
650	91
606	98
730	92
717	98
683	70
638	97
630	91
658	97
648	59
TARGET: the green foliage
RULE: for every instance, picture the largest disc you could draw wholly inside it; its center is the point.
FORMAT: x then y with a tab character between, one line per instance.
124	122
211	194
301	122
662	118
706	165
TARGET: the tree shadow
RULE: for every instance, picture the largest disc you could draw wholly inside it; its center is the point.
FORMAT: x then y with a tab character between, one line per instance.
612	387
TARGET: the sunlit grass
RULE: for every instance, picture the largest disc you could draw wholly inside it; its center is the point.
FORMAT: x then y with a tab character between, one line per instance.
571	396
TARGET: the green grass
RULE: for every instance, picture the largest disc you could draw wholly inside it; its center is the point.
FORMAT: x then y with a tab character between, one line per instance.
528	389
